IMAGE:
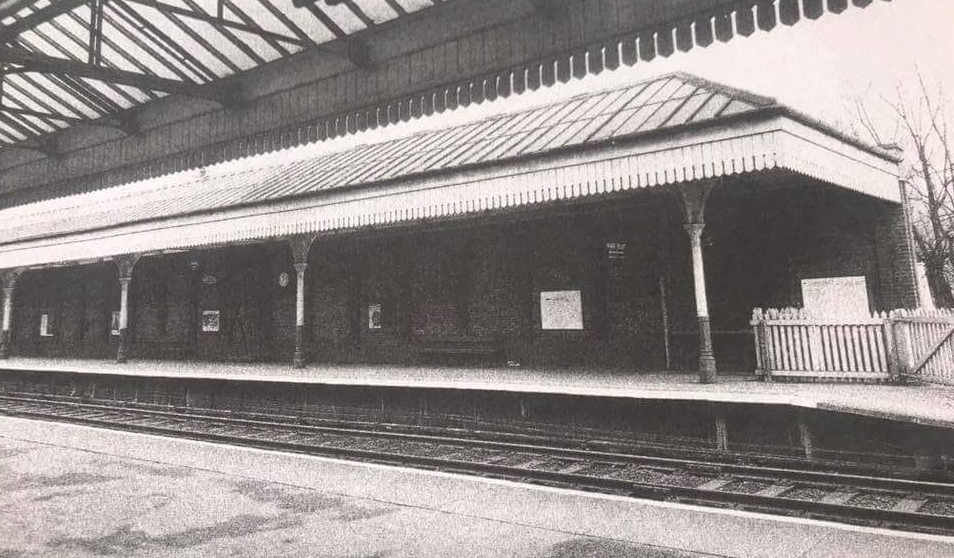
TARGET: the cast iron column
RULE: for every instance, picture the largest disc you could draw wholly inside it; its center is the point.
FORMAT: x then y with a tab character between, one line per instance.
126	265
300	245
707	364
300	315
9	279
694	196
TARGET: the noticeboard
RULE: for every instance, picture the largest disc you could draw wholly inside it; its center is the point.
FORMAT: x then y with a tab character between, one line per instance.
561	310
836	297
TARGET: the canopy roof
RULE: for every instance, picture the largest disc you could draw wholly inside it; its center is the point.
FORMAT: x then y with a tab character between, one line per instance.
81	60
68	62
670	129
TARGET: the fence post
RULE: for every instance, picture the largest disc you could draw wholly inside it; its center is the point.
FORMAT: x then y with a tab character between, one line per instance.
891	346
760	331
902	341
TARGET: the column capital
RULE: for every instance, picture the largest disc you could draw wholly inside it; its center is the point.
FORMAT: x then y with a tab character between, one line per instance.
125	281
694	196
8	278
300	246
300	268
126	263
695	232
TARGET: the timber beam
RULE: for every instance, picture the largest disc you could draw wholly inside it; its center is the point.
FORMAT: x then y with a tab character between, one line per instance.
220	22
61	66
30	21
127	124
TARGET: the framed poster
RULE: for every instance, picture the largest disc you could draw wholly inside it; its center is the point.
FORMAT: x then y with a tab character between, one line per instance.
114	323
561	310
210	320
374	316
836	297
45	326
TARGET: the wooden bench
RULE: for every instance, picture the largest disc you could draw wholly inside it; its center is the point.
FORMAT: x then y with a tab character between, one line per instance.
459	348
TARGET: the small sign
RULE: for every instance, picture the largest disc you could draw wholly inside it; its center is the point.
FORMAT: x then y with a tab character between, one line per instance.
45	329
114	323
561	310
283	279
210	320
374	316
616	250
616	254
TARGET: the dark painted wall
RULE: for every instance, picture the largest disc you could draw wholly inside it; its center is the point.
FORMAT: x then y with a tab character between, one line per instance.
480	282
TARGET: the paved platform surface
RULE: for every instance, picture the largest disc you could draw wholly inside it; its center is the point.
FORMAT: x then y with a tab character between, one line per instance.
925	404
71	490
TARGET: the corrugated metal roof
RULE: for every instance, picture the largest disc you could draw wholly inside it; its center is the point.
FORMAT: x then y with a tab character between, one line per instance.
663	103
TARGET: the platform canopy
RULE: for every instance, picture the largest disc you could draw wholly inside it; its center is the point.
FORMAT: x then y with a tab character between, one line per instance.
67	63
672	129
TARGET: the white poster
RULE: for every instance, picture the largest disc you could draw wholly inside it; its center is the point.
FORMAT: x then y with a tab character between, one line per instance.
836	297
210	320
374	316
45	326
562	310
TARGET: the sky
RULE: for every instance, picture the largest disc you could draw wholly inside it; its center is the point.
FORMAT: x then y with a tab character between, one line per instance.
817	67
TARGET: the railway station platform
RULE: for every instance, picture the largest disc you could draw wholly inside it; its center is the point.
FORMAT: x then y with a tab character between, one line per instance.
928	405
158	496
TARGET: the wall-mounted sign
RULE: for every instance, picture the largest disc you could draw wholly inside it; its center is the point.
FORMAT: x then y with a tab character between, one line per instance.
45	329
616	250
114	323
374	316
210	320
616	254
209	279
283	279
561	310
836	297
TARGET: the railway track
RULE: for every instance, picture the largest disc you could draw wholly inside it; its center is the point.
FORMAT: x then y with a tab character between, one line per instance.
893	502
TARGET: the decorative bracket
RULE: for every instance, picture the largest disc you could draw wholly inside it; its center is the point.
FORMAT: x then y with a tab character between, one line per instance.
693	198
126	263
300	246
8	278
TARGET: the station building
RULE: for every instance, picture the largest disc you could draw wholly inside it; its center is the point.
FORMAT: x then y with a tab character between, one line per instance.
630	229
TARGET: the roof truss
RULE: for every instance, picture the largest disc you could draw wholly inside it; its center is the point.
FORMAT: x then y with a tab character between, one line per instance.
70	62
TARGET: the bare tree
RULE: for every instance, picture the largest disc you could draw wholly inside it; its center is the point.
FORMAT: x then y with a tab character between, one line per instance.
921	129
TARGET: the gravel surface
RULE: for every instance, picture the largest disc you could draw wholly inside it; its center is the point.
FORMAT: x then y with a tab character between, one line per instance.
874	500
806	493
641	474
938	507
554	465
655	476
745	486
425	449
601	470
473	455
516	459
687	480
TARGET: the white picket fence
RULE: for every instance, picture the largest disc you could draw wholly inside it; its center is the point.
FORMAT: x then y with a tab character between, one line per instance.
790	343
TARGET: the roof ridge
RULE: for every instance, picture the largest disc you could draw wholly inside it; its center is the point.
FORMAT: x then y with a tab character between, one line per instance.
729	91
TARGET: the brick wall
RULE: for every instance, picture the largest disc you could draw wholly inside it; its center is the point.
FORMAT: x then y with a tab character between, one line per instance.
482	280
